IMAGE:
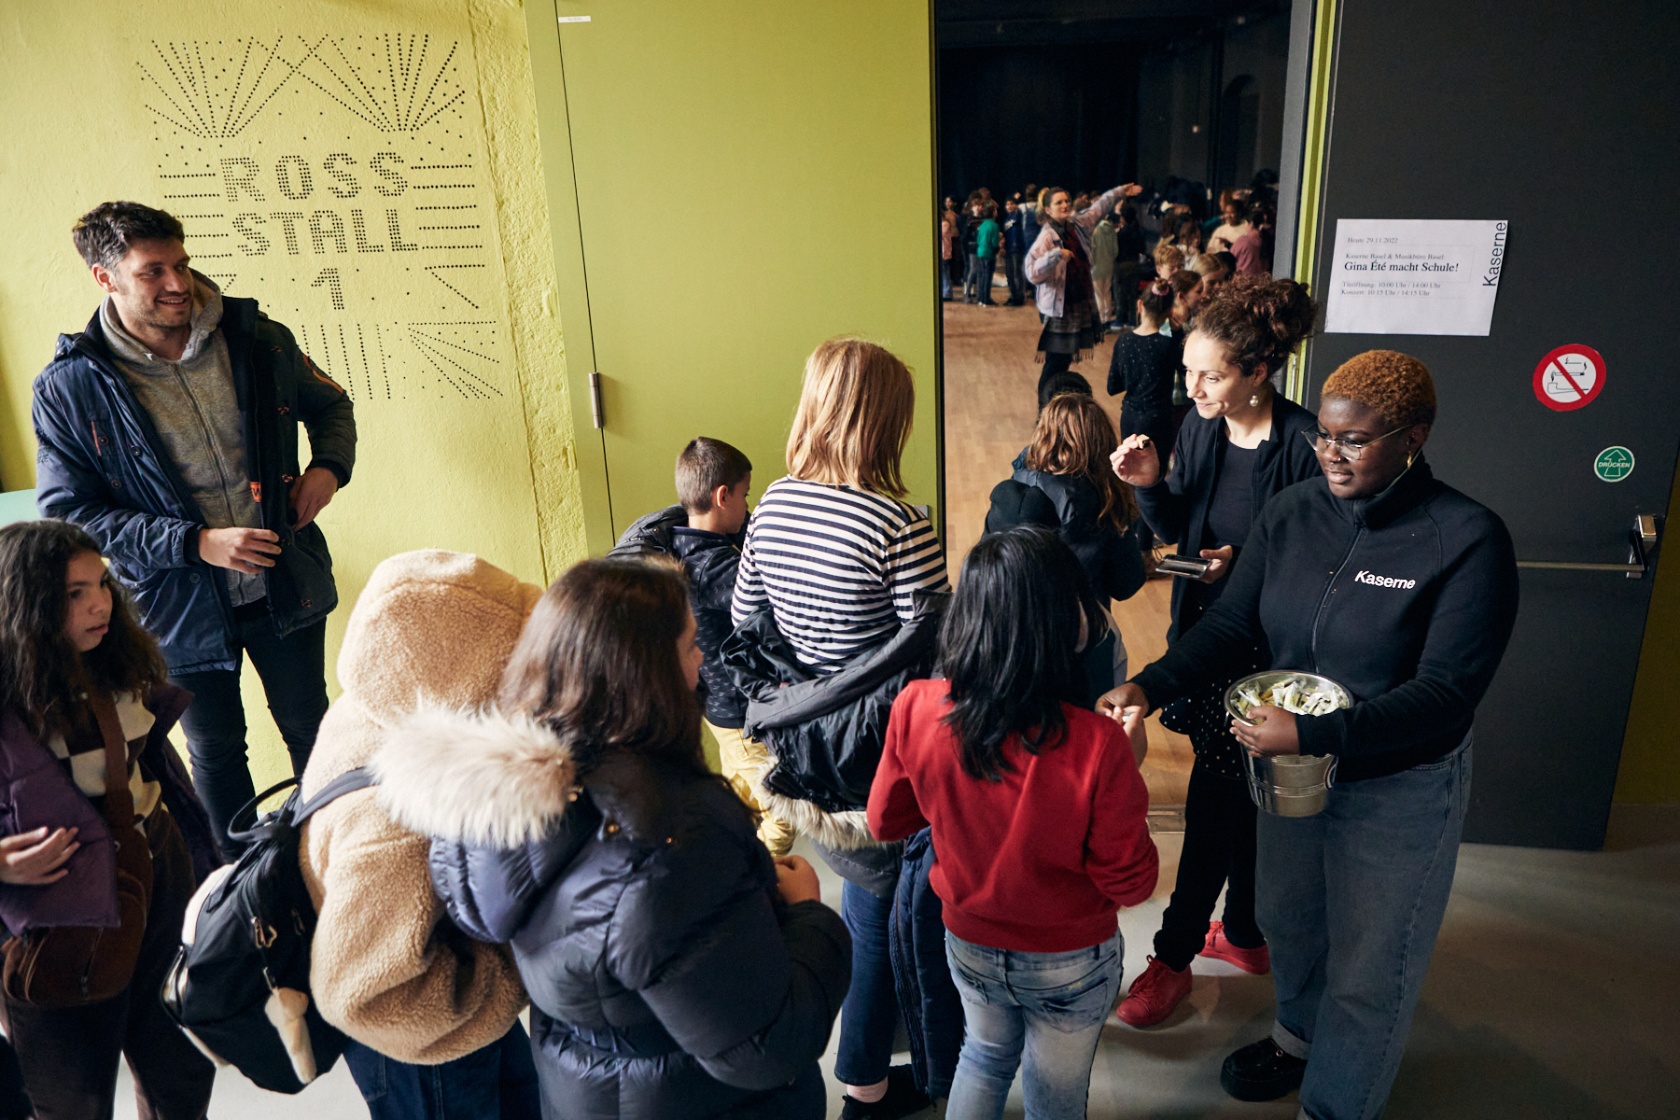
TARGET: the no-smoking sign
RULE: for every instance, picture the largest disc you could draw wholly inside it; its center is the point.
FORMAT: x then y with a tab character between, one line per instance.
1570	377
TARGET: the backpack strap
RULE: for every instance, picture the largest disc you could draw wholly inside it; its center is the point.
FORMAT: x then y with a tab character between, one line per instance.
348	782
119	801
259	828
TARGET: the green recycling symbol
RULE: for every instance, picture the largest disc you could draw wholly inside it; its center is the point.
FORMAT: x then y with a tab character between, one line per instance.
1613	464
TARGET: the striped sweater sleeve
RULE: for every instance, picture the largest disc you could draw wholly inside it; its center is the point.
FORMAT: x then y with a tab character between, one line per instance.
749	583
914	561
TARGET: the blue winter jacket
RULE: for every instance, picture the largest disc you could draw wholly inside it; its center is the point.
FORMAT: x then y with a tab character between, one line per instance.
933	1013
668	980
101	465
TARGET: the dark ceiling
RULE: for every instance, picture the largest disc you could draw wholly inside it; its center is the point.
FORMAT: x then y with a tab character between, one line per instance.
999	23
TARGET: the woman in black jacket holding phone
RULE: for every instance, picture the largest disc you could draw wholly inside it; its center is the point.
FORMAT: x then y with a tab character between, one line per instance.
1404	591
1241	446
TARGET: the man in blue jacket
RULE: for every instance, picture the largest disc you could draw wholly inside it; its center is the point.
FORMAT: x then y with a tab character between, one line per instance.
168	431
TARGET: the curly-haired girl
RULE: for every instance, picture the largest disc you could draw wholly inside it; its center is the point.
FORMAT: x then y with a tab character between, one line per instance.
83	700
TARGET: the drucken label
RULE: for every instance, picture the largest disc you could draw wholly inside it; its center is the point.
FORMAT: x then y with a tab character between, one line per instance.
1384	581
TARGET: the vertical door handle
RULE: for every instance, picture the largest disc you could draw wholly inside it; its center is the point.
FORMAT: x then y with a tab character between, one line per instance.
595	413
1642	545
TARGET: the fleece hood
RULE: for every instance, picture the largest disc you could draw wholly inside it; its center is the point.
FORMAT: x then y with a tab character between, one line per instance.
432	628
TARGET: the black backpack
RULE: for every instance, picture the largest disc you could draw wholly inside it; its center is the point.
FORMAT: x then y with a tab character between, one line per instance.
239	987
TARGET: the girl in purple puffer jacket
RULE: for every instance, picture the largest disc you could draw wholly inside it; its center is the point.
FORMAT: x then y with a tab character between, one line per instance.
74	666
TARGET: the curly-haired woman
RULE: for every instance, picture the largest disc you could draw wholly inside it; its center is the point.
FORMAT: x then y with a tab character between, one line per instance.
1242	446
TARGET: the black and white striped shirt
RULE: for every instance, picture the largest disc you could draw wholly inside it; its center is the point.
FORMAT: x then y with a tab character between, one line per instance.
838	567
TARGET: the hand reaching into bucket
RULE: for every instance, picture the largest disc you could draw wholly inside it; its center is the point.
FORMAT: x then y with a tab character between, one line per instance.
1271	731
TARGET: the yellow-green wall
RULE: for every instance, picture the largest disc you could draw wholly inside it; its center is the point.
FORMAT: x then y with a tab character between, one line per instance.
1650	769
749	177
252	109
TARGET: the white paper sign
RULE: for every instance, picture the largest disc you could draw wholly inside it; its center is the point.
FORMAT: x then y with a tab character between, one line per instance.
1415	277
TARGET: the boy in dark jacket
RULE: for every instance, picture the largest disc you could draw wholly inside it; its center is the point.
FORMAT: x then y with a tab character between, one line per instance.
704	532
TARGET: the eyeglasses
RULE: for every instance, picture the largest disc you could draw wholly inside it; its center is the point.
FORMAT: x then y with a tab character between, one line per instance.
1351	449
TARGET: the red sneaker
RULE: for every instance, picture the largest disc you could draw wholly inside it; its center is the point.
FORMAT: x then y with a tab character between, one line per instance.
1153	995
1218	946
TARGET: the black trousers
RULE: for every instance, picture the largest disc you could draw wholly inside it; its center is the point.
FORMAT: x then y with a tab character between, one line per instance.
293	674
1053	364
1219	847
1012	275
70	1054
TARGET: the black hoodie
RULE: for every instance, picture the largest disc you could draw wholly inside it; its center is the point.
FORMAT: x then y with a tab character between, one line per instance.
1408	599
710	561
1112	559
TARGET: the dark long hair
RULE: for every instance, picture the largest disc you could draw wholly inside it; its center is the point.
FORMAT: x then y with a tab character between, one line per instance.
598	663
1009	645
40	671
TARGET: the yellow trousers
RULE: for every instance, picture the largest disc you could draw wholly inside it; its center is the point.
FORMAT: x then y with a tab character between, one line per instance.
743	760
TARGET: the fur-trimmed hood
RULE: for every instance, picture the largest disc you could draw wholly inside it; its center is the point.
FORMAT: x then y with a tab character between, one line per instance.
491	779
481	778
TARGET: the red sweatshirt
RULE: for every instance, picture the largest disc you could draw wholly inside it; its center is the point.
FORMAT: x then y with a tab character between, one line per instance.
1039	862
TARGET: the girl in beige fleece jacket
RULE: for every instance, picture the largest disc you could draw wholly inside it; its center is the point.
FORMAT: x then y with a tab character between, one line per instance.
431	1014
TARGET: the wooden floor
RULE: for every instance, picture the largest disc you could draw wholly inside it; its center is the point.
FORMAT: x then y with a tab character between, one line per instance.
991	403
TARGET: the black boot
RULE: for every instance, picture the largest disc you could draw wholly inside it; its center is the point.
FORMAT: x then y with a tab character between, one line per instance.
1261	1071
902	1099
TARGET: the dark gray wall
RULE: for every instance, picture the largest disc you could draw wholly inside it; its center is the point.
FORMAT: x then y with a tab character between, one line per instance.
1560	117
1176	99
1062	115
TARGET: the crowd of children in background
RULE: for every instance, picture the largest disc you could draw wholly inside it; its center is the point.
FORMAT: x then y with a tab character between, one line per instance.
1128	239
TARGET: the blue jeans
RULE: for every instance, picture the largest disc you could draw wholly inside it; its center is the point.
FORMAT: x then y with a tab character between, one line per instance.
1046	1007
869	1015
293	674
494	1082
1350	902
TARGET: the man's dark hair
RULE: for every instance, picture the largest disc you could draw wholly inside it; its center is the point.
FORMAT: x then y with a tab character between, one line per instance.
104	234
1009	646
704	465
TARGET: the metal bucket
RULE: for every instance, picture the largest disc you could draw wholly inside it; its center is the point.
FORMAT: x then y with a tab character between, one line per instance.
1291	785
1287	785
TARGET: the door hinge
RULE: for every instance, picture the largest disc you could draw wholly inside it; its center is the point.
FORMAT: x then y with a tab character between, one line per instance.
595	412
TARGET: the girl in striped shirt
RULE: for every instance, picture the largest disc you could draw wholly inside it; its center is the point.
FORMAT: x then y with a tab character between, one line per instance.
838	555
832	547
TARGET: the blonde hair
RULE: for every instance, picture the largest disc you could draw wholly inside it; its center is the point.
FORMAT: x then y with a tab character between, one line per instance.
854	416
1169	258
1075	437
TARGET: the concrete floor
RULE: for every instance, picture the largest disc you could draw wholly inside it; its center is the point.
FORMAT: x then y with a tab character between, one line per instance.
1552	994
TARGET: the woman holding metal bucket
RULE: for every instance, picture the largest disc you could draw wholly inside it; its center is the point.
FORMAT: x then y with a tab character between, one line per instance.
1403	590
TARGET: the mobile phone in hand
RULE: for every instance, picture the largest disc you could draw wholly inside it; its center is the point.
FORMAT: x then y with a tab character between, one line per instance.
1186	567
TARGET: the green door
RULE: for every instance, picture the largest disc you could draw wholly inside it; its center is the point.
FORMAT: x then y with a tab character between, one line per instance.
731	182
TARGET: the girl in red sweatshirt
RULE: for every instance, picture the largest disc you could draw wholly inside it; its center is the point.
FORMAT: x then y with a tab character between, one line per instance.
1037	811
